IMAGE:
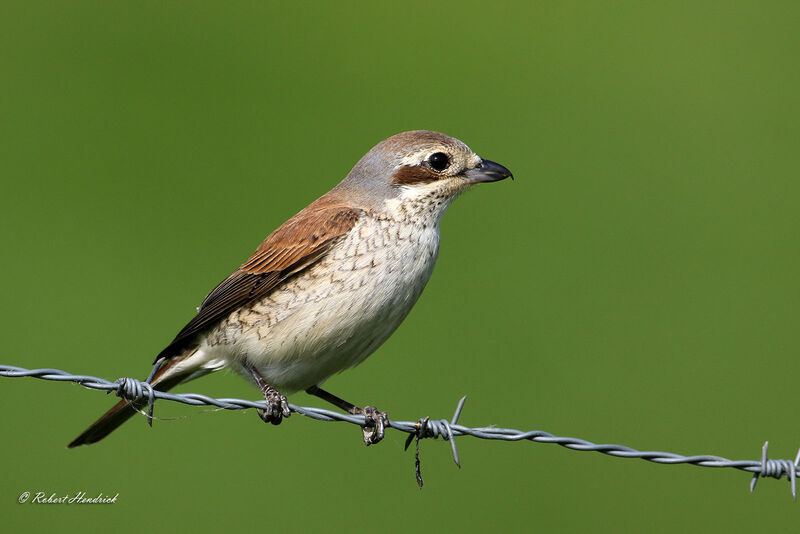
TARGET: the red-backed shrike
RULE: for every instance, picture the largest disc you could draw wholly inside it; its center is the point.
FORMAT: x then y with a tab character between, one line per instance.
329	286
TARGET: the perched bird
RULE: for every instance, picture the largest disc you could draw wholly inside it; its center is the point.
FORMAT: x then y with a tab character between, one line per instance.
329	286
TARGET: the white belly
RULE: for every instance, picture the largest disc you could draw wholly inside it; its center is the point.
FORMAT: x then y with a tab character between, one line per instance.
336	313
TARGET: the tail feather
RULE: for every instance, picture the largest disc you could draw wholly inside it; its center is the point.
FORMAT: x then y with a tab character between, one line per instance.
125	409
108	422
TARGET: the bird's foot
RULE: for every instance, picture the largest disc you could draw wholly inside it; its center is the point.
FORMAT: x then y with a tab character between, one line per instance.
277	405
376	423
277	408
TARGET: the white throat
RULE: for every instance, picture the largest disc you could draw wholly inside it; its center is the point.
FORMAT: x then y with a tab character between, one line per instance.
424	204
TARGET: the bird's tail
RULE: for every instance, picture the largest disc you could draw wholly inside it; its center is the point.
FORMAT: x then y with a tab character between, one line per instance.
168	376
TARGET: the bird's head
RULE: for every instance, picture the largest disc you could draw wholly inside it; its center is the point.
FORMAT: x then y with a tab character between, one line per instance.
418	170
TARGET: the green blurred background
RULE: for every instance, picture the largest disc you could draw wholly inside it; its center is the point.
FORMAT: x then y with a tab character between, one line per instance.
636	284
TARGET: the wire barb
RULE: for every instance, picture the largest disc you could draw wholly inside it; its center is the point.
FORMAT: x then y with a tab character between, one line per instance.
776	469
135	390
151	399
425	428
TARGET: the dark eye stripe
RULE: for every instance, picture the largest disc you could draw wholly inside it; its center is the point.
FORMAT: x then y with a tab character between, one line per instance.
414	174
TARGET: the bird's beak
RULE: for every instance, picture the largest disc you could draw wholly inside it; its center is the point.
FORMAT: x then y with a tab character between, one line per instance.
487	171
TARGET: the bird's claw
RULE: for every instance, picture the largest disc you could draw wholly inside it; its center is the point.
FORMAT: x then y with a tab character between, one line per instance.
277	408
376	423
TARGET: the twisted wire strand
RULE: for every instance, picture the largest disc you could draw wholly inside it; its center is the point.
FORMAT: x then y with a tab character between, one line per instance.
135	390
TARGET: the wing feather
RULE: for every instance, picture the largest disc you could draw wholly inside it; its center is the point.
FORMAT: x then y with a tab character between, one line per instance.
295	246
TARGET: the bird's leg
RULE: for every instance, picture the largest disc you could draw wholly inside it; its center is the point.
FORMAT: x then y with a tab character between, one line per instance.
375	421
277	406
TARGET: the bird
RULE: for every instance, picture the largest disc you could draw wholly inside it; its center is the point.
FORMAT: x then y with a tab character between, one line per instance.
329	286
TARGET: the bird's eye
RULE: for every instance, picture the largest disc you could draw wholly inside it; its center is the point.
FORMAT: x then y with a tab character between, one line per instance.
439	161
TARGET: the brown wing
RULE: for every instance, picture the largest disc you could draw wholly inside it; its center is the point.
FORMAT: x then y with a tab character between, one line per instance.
296	245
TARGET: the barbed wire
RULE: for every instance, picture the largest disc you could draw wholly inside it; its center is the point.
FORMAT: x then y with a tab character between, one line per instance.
132	389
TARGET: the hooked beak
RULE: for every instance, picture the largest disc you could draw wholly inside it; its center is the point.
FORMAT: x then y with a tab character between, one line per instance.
487	171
